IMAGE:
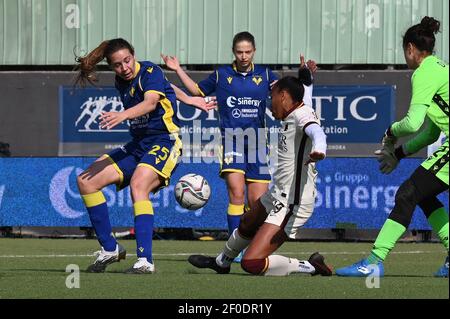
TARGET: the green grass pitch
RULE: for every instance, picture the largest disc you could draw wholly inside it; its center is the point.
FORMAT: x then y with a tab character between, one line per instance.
36	268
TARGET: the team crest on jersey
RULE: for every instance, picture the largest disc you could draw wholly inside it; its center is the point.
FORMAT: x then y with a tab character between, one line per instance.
132	90
229	79
228	160
257	79
150	70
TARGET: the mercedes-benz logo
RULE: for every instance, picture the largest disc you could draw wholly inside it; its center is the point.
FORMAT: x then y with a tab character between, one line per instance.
236	113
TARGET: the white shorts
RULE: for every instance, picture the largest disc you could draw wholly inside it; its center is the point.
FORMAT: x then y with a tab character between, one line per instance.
298	215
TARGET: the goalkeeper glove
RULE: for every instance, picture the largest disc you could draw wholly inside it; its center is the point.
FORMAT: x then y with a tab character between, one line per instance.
389	141
389	160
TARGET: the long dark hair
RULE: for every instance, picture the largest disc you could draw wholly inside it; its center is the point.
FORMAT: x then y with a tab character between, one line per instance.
422	34
86	66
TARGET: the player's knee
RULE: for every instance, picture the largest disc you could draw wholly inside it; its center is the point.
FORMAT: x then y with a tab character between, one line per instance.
253	266
246	232
252	220
406	194
405	203
237	194
247	227
138	187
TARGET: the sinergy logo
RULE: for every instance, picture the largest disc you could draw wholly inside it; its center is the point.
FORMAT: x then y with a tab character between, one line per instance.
344	191
247	101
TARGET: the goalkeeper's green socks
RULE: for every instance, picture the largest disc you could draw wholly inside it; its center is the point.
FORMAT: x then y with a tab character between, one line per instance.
386	239
439	222
392	231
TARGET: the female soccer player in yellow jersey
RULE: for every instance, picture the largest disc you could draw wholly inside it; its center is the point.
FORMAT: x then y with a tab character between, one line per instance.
429	102
146	162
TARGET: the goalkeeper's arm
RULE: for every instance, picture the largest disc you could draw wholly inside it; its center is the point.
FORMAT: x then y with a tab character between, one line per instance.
428	136
411	123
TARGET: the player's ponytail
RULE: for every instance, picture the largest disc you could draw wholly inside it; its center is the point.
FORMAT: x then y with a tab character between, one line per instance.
422	34
86	66
430	25
293	85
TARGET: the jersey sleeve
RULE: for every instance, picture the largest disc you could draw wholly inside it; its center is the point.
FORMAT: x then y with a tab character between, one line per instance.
423	88
307	95
426	137
152	80
208	85
318	137
412	122
307	117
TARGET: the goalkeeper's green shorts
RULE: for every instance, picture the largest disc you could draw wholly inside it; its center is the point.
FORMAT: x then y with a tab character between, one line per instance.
438	163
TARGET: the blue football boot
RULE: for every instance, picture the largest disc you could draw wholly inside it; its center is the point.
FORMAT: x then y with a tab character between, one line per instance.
362	269
443	271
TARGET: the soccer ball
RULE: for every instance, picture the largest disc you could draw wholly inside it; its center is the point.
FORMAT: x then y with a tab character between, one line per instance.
192	191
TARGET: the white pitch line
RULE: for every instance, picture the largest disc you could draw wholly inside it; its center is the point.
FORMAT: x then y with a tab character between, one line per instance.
213	254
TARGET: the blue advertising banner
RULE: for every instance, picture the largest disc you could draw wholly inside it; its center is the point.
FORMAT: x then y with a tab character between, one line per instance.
80	110
43	192
354	114
353	117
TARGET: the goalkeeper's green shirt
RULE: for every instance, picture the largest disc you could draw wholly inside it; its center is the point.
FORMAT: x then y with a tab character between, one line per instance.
430	82
429	100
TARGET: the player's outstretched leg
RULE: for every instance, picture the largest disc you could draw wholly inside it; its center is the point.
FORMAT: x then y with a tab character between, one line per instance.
105	258
318	261
222	263
201	261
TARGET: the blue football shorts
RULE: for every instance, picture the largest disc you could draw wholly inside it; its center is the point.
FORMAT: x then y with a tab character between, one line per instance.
157	152
248	158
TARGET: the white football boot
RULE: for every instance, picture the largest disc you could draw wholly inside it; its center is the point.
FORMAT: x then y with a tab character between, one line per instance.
142	266
105	258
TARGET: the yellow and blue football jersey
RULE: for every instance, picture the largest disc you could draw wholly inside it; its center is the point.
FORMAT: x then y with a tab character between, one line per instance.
155	143
149	77
241	97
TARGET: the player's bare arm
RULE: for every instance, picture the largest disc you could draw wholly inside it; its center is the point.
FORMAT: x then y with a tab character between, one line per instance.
173	64
112	119
204	104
